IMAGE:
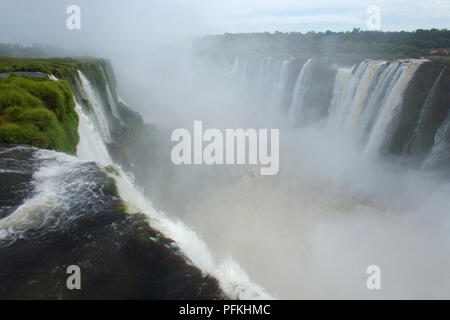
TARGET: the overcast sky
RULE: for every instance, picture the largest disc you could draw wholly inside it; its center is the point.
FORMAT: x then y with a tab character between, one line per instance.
127	22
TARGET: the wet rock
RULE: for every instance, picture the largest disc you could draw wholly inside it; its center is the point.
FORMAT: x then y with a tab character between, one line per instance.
120	256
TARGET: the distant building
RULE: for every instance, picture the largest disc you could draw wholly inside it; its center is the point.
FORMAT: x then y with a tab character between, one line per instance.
443	51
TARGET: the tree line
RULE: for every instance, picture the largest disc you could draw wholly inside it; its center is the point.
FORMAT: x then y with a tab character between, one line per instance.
399	44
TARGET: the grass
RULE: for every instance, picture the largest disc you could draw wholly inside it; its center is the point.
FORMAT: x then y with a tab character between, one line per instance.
38	112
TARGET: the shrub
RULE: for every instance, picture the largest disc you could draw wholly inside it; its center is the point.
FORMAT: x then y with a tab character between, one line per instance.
10	98
49	94
39	112
13	112
10	133
41	117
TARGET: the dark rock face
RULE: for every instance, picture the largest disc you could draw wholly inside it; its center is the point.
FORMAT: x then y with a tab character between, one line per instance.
411	136
120	256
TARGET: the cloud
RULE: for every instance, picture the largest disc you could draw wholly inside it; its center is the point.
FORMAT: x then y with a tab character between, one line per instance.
144	23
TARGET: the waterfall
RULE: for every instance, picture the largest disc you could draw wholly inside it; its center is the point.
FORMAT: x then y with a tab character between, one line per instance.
235	68
91	146
365	101
232	279
265	64
240	67
367	98
420	127
358	103
439	155
301	86
273	81
341	90
346	86
353	87
111	100
280	87
268	83
98	108
390	107
378	97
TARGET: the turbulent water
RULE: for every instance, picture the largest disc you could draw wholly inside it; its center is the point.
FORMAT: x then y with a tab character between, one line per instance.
343	200
345	197
232	278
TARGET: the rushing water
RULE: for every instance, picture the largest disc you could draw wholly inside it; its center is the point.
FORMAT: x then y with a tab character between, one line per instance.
341	202
233	280
311	231
304	78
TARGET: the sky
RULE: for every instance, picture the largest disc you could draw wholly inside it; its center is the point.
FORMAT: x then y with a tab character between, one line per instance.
131	22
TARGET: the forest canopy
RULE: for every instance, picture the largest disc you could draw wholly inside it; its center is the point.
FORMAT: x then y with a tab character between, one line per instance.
400	44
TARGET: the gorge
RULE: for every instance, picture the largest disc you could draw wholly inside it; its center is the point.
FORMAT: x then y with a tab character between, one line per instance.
363	179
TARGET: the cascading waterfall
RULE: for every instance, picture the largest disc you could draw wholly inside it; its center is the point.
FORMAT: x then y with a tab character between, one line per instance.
236	66
383	126
378	97
98	108
265	65
367	99
364	103
266	76
111	101
358	95
358	103
420	127
378	201
233	280
273	82
301	86
440	152
344	77
240	67
280	87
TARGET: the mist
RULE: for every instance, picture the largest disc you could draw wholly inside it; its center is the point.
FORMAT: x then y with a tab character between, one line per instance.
310	231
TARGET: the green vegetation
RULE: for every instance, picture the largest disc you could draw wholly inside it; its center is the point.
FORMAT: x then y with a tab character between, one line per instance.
61	68
112	170
356	43
38	112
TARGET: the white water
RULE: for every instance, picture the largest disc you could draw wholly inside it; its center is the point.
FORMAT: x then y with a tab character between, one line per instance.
232	279
99	111
365	103
313	233
350	107
280	88
420	127
57	185
111	101
377	99
301	86
440	153
390	108
367	99
312	230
